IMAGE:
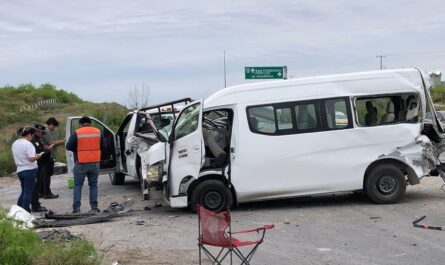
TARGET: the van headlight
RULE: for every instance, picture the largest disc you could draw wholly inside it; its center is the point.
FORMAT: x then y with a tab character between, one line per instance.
154	173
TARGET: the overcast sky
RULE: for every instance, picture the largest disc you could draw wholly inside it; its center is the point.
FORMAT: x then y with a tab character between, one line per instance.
102	49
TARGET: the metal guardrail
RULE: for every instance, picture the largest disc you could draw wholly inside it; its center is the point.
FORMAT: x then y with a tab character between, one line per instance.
37	104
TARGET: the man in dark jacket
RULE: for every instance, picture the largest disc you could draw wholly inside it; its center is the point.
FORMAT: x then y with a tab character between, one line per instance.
40	149
51	144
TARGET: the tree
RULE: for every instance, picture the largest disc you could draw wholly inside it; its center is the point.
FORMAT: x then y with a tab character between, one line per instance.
139	97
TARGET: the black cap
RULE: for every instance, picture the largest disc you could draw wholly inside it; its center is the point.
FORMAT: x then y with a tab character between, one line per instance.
85	119
39	127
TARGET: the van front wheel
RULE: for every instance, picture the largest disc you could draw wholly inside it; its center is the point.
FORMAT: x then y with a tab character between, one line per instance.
212	195
385	184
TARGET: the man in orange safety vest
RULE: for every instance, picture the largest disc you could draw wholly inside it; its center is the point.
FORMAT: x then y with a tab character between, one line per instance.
86	145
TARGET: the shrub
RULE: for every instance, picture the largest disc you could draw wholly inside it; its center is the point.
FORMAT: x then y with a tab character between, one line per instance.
17	246
23	247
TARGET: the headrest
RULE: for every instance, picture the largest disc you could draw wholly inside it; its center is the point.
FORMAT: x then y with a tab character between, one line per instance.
390	107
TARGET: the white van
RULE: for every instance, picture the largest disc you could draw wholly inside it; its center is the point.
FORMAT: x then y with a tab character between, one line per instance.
272	140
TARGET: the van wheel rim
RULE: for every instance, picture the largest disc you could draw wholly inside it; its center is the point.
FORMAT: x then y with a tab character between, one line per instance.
213	200
387	185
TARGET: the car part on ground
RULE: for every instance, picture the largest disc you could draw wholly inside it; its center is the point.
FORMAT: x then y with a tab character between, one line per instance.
113	210
425	226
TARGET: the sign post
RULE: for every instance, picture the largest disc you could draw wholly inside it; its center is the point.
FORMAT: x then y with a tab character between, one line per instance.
265	72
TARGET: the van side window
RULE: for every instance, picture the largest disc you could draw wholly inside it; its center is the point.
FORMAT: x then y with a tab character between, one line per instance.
284	118
337	113
388	109
262	119
306	116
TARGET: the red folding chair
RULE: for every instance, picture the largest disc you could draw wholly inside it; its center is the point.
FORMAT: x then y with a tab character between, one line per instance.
215	230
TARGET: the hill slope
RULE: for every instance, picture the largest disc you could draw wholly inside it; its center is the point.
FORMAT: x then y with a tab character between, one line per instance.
25	105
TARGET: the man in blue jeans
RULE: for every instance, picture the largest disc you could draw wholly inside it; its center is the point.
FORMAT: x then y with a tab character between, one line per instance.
86	144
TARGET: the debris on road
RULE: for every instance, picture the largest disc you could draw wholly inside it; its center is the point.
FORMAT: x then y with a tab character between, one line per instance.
324	249
59	235
425	226
53	215
286	221
113	210
19	214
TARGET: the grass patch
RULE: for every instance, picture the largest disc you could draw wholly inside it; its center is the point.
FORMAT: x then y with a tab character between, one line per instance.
24	247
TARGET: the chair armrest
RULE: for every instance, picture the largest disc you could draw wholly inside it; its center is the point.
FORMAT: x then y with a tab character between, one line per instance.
265	227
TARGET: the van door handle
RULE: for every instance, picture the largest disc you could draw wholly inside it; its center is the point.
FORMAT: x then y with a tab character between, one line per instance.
196	148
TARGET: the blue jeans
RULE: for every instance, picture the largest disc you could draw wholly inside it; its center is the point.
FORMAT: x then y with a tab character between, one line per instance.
91	171
27	182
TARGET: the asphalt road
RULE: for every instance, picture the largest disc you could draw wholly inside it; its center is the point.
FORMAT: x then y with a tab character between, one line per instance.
342	229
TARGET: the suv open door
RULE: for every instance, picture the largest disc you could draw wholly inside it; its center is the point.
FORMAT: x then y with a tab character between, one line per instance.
186	150
108	161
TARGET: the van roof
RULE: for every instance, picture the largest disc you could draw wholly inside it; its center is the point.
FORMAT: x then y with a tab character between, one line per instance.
350	84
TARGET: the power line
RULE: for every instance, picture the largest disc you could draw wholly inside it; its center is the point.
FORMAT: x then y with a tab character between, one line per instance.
405	53
415	53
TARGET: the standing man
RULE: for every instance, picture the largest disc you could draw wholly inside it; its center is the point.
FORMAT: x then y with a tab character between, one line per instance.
45	156
85	143
51	144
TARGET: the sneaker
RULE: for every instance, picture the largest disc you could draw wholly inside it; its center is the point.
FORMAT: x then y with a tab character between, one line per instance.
94	210
51	196
39	209
76	211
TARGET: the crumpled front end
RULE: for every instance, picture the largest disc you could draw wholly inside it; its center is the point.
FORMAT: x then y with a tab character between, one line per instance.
420	158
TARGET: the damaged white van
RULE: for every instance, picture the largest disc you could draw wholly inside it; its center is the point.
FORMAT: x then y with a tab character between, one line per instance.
281	139
122	155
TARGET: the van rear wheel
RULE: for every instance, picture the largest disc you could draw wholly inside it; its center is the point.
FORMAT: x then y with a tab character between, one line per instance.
385	184
212	195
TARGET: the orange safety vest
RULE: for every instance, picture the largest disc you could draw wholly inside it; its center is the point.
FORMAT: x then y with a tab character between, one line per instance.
88	144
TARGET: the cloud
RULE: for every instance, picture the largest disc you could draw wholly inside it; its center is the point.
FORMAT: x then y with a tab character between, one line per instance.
94	46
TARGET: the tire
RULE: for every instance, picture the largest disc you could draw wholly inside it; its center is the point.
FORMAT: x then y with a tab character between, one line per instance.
385	184
143	188
117	178
213	195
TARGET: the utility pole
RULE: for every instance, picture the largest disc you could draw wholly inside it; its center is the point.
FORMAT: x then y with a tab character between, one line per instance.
225	78
381	60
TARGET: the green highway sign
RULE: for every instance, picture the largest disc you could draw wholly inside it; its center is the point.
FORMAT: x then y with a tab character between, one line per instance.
266	72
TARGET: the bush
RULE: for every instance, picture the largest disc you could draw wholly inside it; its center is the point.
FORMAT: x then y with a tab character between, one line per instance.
17	246
23	247
7	165
77	252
